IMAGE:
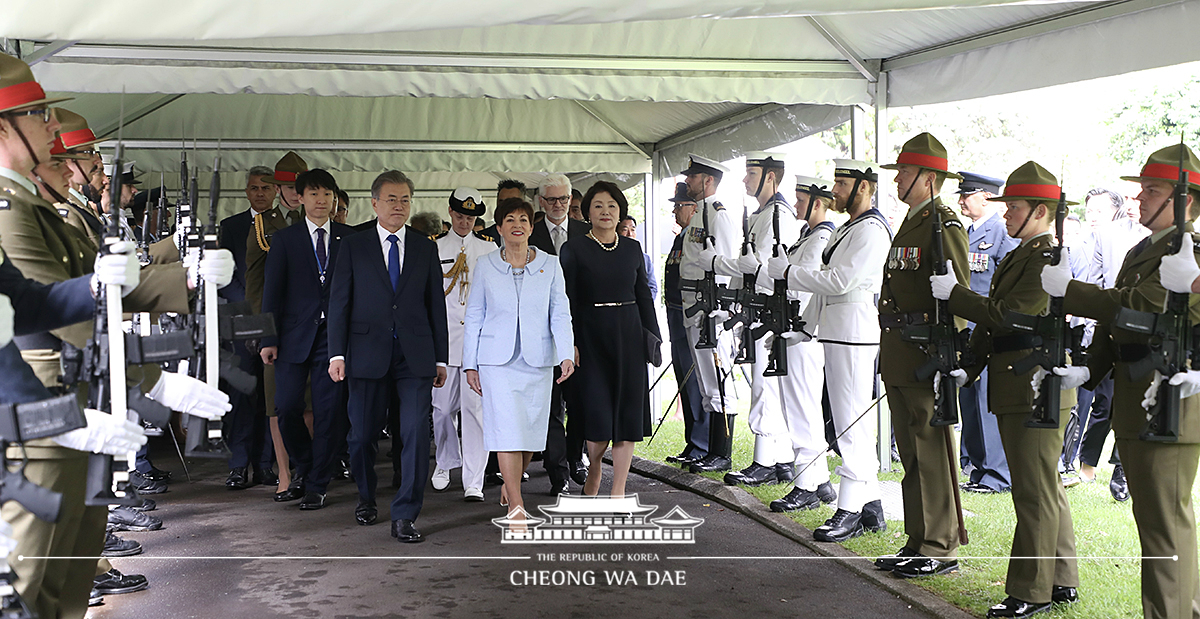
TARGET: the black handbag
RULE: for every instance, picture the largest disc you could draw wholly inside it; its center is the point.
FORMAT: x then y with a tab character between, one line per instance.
653	347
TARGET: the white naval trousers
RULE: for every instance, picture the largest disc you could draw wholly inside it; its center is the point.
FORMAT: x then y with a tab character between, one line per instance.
801	391
772	445
471	455
706	369
849	375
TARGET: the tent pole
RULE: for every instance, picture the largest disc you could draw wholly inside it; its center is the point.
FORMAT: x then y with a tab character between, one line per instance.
650	241
884	202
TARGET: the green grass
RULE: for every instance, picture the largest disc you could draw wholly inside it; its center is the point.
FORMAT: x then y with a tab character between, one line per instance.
1103	528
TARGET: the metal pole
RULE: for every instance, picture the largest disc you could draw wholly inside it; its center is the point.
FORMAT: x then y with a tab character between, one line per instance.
882	148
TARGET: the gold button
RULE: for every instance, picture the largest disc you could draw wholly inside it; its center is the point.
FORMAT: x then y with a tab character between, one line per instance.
463	323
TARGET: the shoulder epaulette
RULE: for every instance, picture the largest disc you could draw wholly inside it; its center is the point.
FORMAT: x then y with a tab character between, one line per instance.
952	223
5	205
483	237
717	206
259	234
63	211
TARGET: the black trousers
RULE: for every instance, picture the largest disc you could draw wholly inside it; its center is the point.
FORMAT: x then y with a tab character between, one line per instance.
312	456
1098	425
246	424
554	458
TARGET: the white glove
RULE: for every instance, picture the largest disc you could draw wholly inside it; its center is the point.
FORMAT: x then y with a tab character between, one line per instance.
943	285
719	315
8	541
960	376
1189	383
705	258
119	268
1056	277
216	267
187	395
104	434
1150	398
7	315
748	264
790	336
1177	272
1073	377
1035	381
777	267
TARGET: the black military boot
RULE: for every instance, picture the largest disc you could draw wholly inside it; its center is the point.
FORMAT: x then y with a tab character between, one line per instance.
799	499
753	475
842	526
785	472
872	517
720	446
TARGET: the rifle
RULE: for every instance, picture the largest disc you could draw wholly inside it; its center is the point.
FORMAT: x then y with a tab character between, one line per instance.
143	244
183	207
743	303
163	227
946	346
707	294
1052	336
1169	335
779	314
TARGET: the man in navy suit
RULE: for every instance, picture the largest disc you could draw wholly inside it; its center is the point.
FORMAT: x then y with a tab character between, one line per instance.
987	243
388	335
296	289
246	425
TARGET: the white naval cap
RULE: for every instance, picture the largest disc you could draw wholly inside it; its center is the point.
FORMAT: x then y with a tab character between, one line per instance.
703	165
468	201
763	159
807	183
853	168
126	168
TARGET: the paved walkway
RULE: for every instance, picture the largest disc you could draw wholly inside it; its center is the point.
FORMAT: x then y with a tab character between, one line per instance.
328	566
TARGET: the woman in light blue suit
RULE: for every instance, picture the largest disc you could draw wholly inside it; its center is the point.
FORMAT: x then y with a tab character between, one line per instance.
517	328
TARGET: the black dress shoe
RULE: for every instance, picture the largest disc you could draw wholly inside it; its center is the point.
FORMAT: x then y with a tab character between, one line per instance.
113	582
144	485
918	567
295	491
889	562
579	472
404	531
1012	607
341	470
1064	595
237	479
1117	486
753	475
313	500
843	525
799	499
157	474
683	457
265	477
493	479
560	488
873	520
785	472
365	514
117	547
711	463
125	519
95	599
147	505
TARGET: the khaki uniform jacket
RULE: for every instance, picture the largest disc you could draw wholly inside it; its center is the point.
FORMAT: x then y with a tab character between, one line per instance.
1137	287
258	244
1016	286
906	286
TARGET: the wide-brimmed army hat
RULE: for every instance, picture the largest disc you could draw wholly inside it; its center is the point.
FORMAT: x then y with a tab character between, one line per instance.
924	151
75	132
18	88
1033	183
1163	165
814	186
466	200
288	168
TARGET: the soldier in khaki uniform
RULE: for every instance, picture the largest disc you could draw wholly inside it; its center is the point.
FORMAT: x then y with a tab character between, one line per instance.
1044	528
1160	474
47	249
258	244
929	483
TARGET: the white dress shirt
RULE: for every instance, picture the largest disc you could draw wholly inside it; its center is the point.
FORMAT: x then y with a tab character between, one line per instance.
312	234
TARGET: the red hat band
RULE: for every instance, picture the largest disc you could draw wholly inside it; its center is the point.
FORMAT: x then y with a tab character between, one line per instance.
287	177
925	161
20	94
77	137
1048	192
1168	172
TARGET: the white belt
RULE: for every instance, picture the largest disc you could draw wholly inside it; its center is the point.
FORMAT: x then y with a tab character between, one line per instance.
854	296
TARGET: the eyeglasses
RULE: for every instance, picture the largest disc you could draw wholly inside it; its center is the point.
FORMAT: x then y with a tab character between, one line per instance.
45	112
396	201
556	200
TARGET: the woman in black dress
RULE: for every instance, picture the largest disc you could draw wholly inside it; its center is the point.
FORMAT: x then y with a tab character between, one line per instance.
611	309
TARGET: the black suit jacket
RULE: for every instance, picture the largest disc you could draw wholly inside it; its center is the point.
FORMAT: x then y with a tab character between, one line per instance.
364	311
235	229
366	225
540	237
293	290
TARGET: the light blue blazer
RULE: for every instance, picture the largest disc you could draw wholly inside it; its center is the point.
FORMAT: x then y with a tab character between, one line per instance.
494	310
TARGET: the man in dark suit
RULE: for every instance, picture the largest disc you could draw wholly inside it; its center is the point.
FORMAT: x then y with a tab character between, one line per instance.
399	347
296	290
564	449
505	189
246	425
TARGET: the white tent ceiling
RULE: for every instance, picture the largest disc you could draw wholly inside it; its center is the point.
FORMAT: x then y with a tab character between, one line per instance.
568	85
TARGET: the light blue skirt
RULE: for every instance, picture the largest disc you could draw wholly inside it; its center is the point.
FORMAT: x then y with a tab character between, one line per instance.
516	405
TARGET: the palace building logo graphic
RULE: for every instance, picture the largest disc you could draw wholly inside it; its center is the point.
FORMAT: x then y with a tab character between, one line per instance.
577	519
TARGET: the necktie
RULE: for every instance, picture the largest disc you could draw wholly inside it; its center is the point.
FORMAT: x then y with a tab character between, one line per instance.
322	256
1141	246
394	261
559	238
291	216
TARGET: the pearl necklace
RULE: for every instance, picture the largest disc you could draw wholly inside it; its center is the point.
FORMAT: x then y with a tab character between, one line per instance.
528	256
602	245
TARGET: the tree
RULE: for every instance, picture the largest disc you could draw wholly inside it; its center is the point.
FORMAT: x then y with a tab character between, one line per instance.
1146	124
